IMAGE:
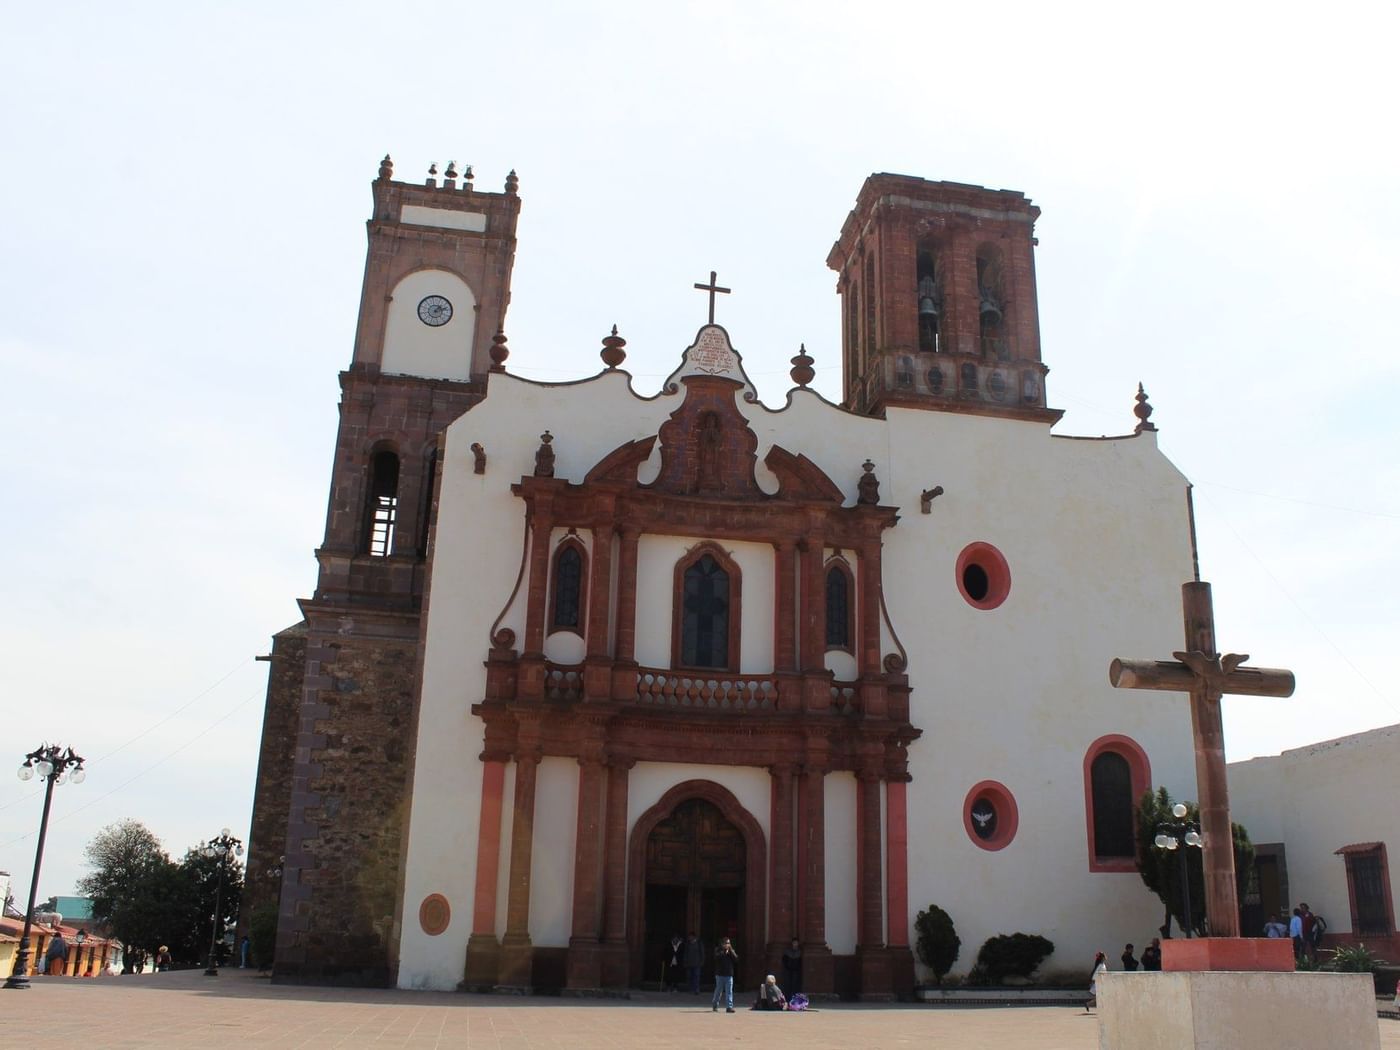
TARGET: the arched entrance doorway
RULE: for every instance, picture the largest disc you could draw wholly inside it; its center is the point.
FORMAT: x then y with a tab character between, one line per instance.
697	863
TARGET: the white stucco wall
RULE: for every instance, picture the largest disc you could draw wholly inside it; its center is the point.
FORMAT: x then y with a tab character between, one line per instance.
416	349
1097	540
1315	800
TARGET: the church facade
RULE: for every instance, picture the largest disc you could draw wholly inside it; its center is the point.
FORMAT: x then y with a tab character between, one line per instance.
586	668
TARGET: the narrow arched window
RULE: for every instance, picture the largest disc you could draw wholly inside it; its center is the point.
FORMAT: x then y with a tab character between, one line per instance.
930	302
1111	784
991	305
383	504
566	603
425	522
838	607
704	640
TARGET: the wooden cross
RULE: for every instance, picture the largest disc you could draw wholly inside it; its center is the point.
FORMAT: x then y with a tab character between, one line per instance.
1207	676
712	288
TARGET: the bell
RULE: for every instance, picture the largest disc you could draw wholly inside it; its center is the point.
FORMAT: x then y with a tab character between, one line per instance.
928	306
989	312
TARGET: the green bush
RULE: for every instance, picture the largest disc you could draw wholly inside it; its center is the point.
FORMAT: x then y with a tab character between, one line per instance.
936	941
1354	958
262	935
1013	955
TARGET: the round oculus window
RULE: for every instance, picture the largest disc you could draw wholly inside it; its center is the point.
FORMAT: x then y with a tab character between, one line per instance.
435	311
983	577
990	816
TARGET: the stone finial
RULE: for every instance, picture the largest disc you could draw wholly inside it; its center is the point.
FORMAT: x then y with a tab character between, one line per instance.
927	497
544	456
449	177
802	370
499	351
612	352
432	175
1143	411
512	182
386	168
869	486
467	177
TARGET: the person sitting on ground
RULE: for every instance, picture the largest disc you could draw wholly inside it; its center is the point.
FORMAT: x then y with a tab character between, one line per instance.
1275	928
770	996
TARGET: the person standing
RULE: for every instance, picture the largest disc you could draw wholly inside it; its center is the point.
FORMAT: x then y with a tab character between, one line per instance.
1295	930
693	957
1152	956
674	967
792	967
725	958
1309	921
243	948
1319	927
56	958
1130	964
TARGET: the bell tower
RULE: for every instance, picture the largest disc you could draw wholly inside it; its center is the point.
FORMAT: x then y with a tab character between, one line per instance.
938	301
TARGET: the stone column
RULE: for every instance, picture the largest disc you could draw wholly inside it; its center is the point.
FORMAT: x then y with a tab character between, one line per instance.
781	926
785	608
817	971
582	971
483	950
614	958
530	683
517	953
870	926
816	685
597	671
897	887
624	675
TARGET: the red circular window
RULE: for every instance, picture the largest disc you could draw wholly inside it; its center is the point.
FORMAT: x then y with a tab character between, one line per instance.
984	578
434	914
989	815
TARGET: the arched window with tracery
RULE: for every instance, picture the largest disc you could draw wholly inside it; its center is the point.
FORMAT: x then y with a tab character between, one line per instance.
567	586
1116	776
706	618
382	503
839	590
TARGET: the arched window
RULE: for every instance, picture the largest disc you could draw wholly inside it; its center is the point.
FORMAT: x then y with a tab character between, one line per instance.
567	583
838	606
425	521
930	302
1116	776
991	304
382	506
707	617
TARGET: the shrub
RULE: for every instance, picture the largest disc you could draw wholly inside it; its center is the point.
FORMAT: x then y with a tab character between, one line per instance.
1354	958
262	935
936	941
1014	955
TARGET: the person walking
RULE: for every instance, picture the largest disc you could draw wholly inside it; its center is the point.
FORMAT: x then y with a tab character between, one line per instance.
693	956
1100	966
725	958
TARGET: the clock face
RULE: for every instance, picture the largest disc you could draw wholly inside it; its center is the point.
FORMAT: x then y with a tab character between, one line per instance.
434	311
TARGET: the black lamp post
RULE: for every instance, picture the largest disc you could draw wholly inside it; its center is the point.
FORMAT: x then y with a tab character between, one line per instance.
223	847
51	763
1177	835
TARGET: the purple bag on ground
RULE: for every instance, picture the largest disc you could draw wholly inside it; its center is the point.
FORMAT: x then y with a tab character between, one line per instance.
797	1002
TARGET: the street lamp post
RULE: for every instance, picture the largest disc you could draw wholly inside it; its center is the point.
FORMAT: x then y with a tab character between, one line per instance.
223	847
80	938
52	764
1175	836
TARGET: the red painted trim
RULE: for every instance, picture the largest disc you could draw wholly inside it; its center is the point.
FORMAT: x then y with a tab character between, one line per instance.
993	563
488	847
736	604
434	914
896	864
1385	891
1008	817
1140	770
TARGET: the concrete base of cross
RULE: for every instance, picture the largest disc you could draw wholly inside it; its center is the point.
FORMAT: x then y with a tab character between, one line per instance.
1231	1010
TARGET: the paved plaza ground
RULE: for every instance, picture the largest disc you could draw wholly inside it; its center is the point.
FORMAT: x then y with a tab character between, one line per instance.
173	1011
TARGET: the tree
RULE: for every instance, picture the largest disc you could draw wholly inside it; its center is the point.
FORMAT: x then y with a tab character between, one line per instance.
1161	869
199	879
935	941
131	876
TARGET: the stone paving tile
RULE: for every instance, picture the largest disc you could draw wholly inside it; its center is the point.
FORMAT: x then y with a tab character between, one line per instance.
175	1011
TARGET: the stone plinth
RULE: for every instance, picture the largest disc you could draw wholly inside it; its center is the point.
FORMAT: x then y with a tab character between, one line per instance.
1214	1010
1272	954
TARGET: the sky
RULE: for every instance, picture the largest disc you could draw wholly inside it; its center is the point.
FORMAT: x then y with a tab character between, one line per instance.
185	187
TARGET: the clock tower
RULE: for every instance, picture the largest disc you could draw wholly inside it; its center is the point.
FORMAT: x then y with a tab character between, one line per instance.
938	300
331	795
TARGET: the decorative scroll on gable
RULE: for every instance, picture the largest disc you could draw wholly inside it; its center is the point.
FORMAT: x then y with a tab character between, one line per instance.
799	478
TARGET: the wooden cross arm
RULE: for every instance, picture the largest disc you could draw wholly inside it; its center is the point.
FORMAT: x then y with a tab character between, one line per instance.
1171	676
